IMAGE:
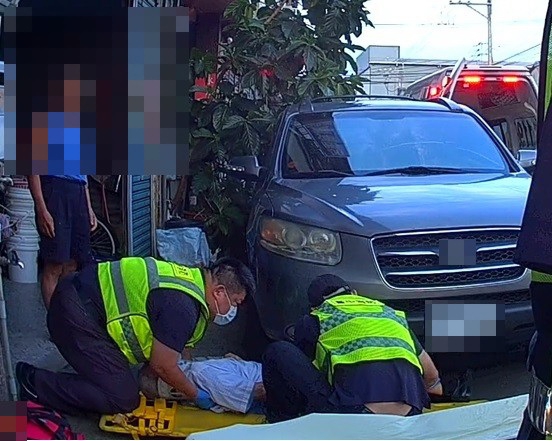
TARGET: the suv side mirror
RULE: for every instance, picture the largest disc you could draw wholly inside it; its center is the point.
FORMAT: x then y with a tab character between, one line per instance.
244	167
527	159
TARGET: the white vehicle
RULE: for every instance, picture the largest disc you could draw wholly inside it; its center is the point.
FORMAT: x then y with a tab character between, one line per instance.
505	96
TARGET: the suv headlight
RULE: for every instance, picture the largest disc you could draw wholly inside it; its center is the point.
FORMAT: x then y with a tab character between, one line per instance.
300	241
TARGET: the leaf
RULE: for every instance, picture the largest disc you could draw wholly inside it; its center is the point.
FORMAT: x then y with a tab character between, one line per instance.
256	24
236	8
226	88
287	28
268	50
219	116
233	122
201	150
351	61
200	89
202	133
311	60
243	104
248	80
303	87
250	139
201	182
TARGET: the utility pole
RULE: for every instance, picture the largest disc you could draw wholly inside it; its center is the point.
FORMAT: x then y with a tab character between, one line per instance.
487	16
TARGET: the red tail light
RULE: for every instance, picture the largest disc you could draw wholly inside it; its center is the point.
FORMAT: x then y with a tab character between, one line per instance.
472	79
510	79
434	91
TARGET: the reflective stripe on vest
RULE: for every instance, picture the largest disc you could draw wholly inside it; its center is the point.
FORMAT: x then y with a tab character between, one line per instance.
354	329
541	277
125	299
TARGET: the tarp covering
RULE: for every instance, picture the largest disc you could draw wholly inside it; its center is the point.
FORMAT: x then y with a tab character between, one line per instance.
185	246
493	420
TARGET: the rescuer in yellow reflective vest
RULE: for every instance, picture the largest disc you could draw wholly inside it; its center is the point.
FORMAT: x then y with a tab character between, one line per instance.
351	354
112	315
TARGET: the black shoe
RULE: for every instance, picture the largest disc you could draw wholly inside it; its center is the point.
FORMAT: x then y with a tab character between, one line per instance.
24	372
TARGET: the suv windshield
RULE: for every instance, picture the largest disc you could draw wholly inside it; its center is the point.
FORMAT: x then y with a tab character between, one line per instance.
356	143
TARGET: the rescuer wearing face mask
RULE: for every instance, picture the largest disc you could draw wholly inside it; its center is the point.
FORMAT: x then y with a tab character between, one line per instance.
112	315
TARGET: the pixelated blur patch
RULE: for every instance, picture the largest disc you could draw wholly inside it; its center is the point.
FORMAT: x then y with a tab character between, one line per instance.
13	418
460	326
457	252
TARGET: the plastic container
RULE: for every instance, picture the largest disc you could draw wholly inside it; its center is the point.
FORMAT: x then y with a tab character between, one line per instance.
21	208
20	182
27	250
26	240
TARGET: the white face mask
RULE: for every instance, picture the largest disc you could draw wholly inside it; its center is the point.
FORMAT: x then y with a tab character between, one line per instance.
224	319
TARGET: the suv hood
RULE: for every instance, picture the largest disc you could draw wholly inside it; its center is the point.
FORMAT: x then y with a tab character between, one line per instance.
373	205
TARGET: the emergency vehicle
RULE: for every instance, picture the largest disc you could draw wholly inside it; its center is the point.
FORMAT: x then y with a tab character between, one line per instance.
505	96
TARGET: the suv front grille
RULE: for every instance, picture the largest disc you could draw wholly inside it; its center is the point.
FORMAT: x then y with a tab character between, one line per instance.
411	260
418	305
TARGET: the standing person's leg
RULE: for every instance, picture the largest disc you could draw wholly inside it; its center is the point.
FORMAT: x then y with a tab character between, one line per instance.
540	356
55	251
79	213
294	387
104	382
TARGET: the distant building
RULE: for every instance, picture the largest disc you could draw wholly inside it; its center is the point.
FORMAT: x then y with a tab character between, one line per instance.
386	72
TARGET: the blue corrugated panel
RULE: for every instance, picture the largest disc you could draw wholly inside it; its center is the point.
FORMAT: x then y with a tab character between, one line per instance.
141	215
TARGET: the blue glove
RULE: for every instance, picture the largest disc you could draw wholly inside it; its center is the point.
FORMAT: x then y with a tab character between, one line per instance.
203	400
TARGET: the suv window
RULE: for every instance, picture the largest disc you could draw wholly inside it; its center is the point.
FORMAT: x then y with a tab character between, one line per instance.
363	142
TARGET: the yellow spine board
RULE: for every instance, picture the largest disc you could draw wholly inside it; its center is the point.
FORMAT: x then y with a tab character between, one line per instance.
161	418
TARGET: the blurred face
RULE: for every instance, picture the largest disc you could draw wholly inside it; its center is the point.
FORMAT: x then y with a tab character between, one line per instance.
71	95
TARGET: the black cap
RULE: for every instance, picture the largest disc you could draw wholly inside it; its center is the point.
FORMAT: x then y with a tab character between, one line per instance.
323	286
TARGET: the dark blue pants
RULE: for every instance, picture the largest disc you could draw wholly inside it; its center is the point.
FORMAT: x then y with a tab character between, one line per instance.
540	351
104	382
294	387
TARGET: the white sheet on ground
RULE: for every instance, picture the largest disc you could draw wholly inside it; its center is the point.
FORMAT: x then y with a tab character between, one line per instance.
493	420
230	382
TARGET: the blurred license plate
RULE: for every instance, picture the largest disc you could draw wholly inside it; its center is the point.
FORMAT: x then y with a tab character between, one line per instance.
463	326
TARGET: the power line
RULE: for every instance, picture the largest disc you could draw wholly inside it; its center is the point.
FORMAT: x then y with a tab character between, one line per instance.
519	53
487	16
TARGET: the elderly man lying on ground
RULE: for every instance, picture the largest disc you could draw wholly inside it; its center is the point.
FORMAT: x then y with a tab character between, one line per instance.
233	384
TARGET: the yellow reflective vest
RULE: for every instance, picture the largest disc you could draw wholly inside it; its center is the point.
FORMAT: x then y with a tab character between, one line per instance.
125	286
355	329
541	277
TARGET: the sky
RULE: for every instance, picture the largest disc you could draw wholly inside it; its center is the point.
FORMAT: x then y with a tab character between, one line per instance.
436	29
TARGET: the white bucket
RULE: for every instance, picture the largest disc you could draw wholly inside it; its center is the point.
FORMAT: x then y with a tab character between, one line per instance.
21	206
20	199
27	250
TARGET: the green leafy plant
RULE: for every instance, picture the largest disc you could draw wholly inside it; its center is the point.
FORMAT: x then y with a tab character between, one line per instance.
271	56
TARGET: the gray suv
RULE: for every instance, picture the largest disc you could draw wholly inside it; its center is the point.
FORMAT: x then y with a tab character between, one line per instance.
369	189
